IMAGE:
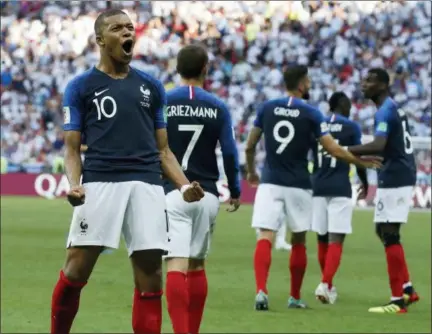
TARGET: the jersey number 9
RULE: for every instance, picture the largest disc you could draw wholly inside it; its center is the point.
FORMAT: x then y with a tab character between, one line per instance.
283	141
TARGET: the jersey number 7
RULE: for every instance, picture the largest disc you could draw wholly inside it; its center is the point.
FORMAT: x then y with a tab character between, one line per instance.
196	129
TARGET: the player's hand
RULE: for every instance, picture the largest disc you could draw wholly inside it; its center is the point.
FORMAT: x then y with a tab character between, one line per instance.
234	204
371	162
193	193
362	192
253	179
76	195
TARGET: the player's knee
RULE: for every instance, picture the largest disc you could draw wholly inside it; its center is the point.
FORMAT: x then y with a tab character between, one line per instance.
336	238
80	262
147	269
266	234
298	238
196	264
180	264
390	239
324	238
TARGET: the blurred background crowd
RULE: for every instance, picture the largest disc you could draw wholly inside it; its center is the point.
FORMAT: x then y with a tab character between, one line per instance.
45	44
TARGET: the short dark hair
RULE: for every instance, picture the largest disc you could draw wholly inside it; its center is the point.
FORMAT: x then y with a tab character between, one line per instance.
335	98
381	74
293	75
100	20
191	61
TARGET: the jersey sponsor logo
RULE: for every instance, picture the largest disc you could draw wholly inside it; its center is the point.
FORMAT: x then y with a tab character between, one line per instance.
66	115
189	111
279	111
324	127
382	127
145	95
101	92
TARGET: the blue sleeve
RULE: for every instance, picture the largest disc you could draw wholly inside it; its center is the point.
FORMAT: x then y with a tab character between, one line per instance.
230	154
160	107
259	117
320	126
72	106
357	134
382	123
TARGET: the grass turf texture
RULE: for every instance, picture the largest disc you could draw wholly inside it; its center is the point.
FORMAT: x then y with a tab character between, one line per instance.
33	233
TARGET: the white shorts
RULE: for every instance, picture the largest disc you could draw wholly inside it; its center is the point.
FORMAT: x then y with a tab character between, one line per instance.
136	209
332	215
191	225
273	202
392	204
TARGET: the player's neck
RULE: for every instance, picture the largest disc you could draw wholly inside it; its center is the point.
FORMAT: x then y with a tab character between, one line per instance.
295	93
379	99
192	82
113	69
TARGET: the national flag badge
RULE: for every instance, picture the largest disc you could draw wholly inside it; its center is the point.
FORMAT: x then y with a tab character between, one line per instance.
382	127
66	115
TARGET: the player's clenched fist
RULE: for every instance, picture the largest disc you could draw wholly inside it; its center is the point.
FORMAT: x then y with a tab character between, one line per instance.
76	196
192	192
253	179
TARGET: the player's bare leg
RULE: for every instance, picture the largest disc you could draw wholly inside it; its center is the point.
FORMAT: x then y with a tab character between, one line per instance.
326	291
147	303
297	266
410	296
262	262
197	286
176	291
76	271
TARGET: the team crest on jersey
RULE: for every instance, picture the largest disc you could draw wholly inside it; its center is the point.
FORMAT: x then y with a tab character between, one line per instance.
146	96
66	115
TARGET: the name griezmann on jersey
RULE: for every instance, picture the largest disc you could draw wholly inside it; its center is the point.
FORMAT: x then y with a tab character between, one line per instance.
190	111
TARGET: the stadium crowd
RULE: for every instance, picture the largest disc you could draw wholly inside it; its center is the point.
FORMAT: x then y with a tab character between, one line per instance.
45	44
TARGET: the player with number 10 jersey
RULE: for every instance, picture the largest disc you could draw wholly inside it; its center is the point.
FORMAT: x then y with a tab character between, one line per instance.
290	127
197	122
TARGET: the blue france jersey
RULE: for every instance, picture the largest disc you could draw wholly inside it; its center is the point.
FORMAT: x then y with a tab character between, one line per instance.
290	127
118	119
331	176
197	121
399	169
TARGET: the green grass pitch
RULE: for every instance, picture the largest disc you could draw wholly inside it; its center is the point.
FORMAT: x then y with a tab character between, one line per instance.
33	233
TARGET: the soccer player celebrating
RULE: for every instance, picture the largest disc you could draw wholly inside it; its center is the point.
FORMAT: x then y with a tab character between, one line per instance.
395	185
288	125
332	195
120	111
197	121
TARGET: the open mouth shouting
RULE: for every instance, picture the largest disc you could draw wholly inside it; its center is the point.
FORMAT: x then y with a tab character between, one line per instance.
127	47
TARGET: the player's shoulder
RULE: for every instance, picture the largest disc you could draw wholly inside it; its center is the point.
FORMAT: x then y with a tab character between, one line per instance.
198	94
80	82
389	107
153	84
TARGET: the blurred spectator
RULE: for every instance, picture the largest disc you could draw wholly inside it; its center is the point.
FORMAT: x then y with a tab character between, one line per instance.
45	44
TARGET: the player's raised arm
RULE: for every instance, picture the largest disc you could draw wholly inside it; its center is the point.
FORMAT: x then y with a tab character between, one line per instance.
377	145
333	148
230	160
72	128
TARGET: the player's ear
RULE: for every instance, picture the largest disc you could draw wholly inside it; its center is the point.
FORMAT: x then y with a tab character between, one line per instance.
100	41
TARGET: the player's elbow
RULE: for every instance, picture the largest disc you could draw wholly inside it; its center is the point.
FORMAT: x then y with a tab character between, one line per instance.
250	149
